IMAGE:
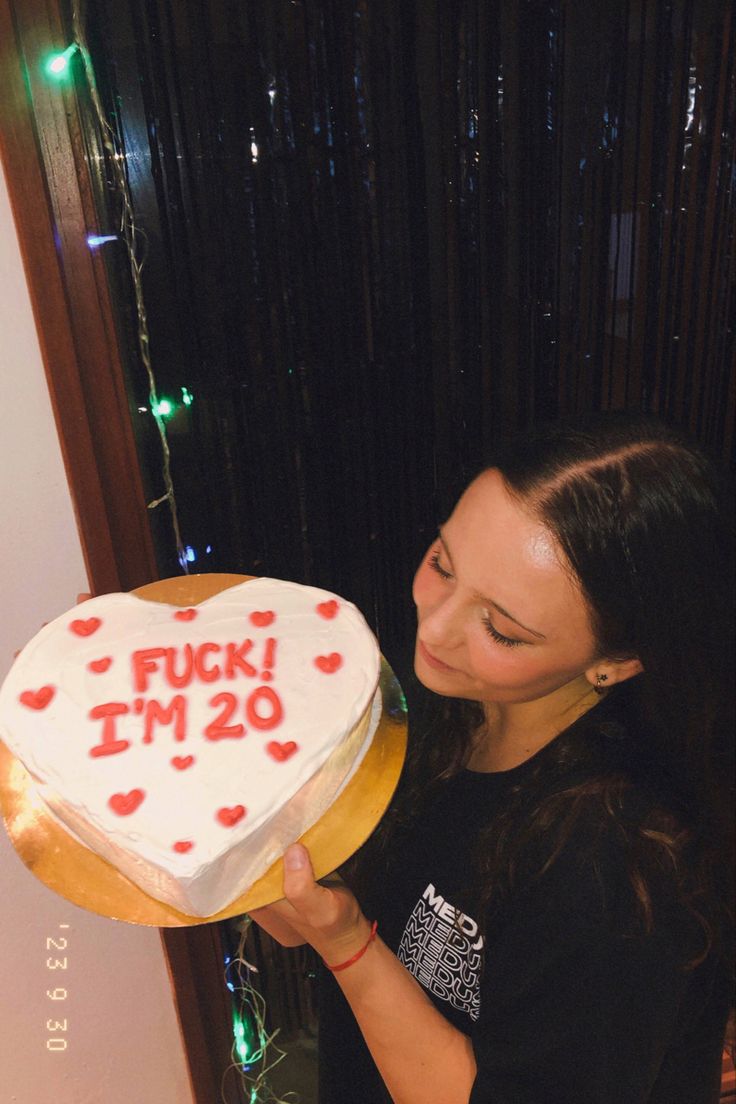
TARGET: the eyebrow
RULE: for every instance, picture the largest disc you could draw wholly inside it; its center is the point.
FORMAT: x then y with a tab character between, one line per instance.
490	602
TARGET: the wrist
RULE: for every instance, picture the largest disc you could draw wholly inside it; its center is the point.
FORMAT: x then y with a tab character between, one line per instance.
339	966
337	950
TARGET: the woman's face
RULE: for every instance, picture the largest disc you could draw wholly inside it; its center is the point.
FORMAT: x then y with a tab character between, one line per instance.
499	618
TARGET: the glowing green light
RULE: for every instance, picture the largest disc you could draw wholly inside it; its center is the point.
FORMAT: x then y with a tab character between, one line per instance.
163	408
246	1043
58	64
186	396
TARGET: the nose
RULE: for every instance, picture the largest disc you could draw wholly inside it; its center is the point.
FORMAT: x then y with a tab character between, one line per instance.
441	625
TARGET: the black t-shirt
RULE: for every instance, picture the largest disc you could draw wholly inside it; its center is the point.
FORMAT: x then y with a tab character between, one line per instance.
565	998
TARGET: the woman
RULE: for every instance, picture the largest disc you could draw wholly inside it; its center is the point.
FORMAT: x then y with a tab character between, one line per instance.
550	884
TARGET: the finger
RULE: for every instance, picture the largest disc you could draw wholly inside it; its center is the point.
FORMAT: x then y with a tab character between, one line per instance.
84	596
278	928
310	899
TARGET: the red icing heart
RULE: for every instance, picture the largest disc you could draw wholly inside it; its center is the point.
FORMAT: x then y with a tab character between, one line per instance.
181	762
231	816
281	752
261	618
85	628
327	609
182	846
185	614
329	663
99	666
125	804
37	699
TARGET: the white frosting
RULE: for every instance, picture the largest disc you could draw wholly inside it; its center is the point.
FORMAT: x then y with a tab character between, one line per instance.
326	713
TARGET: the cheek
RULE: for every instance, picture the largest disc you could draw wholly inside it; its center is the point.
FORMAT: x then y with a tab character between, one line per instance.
490	661
499	670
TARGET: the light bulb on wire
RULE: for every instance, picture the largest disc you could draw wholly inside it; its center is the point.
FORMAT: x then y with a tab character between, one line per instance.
163	408
57	64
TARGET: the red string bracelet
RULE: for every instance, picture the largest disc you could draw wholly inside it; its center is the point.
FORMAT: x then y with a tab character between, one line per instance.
358	954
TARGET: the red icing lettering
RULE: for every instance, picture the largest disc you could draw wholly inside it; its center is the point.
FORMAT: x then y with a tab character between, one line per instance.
182	664
181	762
182	846
107	713
206	674
230	816
144	665
281	752
185	614
235	660
37	699
262	618
172	676
269	656
156	712
139	705
329	663
268	696
85	628
99	666
125	804
219	729
327	609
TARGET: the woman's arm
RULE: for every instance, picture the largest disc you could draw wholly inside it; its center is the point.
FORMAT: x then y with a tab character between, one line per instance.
422	1058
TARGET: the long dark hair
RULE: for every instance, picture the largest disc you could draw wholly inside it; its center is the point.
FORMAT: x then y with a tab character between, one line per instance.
639	514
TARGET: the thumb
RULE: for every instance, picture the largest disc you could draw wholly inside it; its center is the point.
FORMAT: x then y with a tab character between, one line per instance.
300	889
298	872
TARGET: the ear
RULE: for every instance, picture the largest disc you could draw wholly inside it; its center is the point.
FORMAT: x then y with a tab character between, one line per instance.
607	672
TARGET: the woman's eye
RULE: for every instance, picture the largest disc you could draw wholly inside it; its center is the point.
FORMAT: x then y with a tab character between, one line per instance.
506	641
434	563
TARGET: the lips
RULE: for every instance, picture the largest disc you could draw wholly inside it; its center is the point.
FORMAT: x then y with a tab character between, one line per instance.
432	661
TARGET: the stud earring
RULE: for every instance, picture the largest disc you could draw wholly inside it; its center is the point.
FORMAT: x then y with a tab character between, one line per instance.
599	687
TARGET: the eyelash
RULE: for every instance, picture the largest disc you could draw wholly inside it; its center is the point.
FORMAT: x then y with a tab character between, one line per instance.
505	641
434	561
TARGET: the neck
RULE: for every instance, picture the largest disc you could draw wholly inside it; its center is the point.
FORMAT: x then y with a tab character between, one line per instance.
514	732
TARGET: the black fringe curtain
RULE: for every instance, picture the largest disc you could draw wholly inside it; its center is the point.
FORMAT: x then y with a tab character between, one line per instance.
380	233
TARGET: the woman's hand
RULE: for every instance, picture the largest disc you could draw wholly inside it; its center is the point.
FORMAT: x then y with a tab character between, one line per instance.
328	917
277	928
422	1058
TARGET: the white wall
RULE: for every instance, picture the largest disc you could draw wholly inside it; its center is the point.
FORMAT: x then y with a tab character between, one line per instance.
119	1022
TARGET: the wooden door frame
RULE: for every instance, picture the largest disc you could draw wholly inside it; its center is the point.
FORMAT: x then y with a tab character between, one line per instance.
42	149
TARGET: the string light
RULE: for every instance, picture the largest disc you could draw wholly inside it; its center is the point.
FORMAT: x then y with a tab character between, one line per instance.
57	65
130	235
93	240
164	408
254	1051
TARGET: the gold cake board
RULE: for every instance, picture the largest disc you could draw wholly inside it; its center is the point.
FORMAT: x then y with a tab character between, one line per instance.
82	877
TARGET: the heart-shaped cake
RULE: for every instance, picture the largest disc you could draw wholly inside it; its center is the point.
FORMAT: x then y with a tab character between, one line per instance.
190	747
